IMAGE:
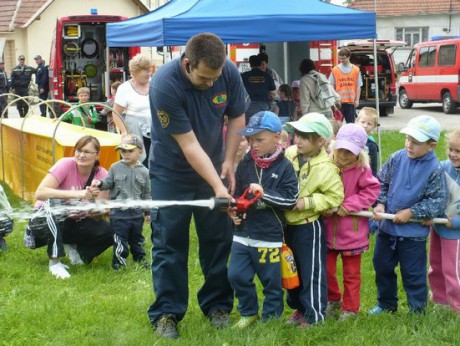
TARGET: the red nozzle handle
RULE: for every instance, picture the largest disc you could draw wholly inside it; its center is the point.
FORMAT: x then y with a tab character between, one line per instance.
243	203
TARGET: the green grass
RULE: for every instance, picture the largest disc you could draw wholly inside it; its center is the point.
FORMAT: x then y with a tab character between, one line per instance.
98	306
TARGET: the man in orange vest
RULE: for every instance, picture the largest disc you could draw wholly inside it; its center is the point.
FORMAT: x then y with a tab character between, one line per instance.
347	82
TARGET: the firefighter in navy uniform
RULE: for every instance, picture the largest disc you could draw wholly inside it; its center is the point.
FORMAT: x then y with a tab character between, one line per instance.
3	89
20	80
42	81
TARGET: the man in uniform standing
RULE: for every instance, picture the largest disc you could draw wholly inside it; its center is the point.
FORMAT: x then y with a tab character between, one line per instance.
189	97
42	81
260	87
3	89
20	81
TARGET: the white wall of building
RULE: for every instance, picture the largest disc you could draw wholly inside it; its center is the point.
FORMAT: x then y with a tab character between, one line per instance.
438	26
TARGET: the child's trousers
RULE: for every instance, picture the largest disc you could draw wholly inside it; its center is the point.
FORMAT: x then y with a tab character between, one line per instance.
127	234
351	280
444	274
410	253
308	243
245	263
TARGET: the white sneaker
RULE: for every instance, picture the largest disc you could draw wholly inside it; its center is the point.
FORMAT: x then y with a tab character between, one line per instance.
72	253
59	270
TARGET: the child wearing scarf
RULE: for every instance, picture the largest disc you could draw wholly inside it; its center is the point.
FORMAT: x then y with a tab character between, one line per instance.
258	235
321	189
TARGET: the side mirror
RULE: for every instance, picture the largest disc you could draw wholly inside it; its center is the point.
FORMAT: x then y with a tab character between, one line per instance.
401	67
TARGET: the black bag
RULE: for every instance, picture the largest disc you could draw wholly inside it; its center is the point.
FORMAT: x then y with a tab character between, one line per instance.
38	229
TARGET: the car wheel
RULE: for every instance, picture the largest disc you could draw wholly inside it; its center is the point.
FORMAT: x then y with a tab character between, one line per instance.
383	111
448	103
404	101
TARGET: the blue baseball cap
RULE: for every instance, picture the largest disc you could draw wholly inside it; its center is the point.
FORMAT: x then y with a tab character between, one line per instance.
423	128
261	121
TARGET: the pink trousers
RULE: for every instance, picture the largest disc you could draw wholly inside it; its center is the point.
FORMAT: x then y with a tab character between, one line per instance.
444	273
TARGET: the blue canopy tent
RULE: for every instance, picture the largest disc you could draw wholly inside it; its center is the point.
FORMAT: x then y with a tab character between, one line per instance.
239	21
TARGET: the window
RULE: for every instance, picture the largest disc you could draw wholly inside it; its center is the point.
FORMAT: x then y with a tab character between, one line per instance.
410	63
427	56
447	55
412	35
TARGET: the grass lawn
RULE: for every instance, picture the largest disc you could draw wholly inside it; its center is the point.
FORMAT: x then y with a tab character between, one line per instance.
98	306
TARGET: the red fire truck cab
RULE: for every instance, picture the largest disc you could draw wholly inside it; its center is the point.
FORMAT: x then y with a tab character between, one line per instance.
80	58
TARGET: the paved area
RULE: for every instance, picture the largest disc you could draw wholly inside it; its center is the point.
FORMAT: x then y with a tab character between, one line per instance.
401	117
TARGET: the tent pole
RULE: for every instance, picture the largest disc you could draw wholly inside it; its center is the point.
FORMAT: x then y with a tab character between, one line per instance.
377	89
377	99
285	57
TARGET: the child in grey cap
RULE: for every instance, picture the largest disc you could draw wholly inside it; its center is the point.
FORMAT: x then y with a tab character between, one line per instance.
128	179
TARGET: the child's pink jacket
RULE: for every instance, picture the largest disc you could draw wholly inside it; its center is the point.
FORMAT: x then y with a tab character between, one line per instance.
361	191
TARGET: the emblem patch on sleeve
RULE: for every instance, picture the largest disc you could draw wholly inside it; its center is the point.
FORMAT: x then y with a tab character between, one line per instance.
164	118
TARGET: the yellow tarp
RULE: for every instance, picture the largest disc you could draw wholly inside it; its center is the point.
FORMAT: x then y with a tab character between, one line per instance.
27	155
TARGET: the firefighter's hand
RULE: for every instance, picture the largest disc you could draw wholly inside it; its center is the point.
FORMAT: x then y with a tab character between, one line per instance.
255	188
356	103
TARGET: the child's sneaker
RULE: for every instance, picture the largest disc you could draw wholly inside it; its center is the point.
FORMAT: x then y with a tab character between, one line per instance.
304	325
344	315
142	263
59	270
378	310
3	246
246	321
333	307
296	318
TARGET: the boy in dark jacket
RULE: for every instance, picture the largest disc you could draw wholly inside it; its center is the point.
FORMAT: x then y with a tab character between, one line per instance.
257	241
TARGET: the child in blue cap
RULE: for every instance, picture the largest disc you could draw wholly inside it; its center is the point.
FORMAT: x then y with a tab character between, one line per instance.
257	241
413	186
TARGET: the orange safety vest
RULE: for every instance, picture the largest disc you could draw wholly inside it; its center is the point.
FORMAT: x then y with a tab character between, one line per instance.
346	83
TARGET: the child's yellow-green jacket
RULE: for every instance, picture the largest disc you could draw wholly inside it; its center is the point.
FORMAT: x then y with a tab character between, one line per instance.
320	186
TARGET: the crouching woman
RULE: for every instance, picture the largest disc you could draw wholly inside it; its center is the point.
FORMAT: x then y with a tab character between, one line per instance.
82	235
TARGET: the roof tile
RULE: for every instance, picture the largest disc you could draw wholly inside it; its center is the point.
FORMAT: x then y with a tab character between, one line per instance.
408	7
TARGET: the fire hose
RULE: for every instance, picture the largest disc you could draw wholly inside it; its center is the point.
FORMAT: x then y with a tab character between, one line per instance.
387	216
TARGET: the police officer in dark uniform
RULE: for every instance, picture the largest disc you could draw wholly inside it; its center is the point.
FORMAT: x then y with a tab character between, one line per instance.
42	81
20	80
3	89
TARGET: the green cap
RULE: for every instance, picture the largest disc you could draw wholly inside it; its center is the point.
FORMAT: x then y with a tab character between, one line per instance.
313	122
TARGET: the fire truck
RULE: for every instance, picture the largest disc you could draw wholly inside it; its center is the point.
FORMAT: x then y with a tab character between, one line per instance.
80	58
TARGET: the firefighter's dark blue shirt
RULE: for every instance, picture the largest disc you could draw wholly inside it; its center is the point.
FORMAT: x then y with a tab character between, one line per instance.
177	108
